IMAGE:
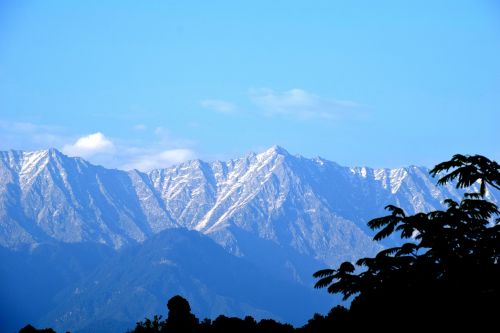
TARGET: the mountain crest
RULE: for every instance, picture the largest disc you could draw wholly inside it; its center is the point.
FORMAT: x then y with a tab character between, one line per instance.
314	206
275	149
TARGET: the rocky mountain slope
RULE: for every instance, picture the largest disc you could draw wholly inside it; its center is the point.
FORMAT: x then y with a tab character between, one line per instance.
312	206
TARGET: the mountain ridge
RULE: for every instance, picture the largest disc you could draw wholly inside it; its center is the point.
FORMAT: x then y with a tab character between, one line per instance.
277	196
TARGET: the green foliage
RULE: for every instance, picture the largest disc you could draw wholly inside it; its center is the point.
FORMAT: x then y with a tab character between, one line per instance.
449	267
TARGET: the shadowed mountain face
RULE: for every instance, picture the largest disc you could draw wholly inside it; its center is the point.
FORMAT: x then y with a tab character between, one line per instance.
86	287
139	280
280	214
31	277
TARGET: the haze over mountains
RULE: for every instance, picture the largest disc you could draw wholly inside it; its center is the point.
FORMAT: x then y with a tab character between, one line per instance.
116	241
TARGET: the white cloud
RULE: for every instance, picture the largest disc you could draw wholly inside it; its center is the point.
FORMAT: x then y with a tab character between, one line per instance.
29	136
218	105
130	154
165	150
140	127
298	103
90	145
162	159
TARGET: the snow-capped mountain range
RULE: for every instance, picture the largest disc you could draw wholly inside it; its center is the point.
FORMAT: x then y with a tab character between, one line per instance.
283	214
314	206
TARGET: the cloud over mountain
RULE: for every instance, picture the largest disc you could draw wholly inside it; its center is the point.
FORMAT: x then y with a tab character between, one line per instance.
89	145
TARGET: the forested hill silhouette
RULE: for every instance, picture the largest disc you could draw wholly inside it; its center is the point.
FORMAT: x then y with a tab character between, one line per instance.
445	274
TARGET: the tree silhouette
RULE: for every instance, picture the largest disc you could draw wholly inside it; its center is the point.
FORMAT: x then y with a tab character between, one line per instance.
149	326
447	272
338	319
180	319
468	170
30	329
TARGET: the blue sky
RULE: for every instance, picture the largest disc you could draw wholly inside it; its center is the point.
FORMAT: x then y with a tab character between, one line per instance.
149	83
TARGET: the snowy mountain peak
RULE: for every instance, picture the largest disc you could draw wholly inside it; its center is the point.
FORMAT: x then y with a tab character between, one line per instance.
17	159
28	160
275	149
